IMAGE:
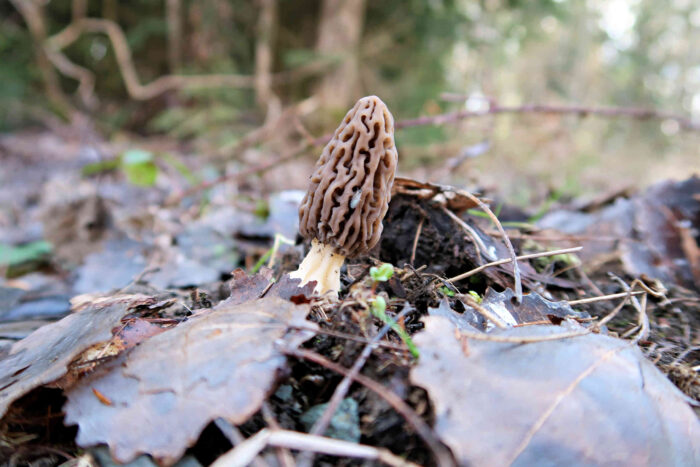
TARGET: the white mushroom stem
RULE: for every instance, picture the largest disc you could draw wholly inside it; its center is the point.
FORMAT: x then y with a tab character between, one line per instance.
322	264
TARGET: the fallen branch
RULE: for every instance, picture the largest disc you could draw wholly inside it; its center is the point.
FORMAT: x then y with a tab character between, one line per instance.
242	175
509	260
442	455
494	108
139	91
321	425
245	452
516	268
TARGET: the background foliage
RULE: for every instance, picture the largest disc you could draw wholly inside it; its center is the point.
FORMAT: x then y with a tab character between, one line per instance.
591	52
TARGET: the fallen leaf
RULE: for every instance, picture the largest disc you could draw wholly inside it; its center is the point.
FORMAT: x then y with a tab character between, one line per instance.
245	288
455	199
646	231
43	356
533	309
588	400
165	391
136	330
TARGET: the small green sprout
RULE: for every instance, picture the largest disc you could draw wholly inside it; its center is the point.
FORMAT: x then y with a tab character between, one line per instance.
447	291
476	296
139	167
270	254
378	309
382	273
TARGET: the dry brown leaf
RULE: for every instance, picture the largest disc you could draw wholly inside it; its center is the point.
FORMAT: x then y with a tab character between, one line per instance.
589	400
453	198
645	231
43	356
165	391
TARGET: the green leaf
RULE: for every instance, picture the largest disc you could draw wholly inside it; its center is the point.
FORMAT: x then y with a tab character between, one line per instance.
136	157
15	255
476	296
100	167
139	168
378	309
382	273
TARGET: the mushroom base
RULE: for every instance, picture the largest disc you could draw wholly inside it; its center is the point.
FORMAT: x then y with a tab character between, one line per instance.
322	264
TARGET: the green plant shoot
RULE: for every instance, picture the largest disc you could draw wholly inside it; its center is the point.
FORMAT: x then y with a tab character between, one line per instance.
378	309
476	296
382	273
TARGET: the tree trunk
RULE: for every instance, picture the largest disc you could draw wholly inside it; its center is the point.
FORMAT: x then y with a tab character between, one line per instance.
266	29
339	34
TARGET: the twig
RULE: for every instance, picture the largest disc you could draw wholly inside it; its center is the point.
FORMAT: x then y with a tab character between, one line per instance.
245	452
236	438
33	15
242	175
173	13
524	339
613	313
603	297
684	354
643	322
481	247
516	268
165	83
415	240
580	110
508	260
588	280
351	337
284	456
484	311
85	77
264	55
321	425
442	455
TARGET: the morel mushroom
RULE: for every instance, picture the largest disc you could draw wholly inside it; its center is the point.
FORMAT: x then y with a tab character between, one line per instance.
348	194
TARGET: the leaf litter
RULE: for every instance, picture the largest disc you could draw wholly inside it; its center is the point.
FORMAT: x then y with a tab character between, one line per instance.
586	400
44	355
157	398
163	362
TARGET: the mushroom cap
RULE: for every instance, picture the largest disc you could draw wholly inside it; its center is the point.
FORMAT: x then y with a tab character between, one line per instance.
350	188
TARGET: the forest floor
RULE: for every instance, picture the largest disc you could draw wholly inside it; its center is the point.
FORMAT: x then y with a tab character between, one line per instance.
160	324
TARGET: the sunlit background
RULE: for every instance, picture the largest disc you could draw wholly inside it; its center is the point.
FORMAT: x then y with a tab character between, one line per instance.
317	57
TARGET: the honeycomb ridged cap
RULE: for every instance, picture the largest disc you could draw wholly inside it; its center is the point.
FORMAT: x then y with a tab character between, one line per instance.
350	188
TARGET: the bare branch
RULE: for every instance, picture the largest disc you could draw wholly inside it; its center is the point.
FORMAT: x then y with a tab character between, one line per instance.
494	108
508	260
165	83
33	15
173	15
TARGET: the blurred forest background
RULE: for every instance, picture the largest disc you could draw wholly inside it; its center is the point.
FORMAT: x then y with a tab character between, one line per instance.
230	82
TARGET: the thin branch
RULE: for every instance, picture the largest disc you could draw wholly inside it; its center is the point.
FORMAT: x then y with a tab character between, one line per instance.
321	425
516	268
509	260
166	83
485	312
33	15
245	452
443	457
242	175
580	110
522	339
415	240
603	298
85	77
173	15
